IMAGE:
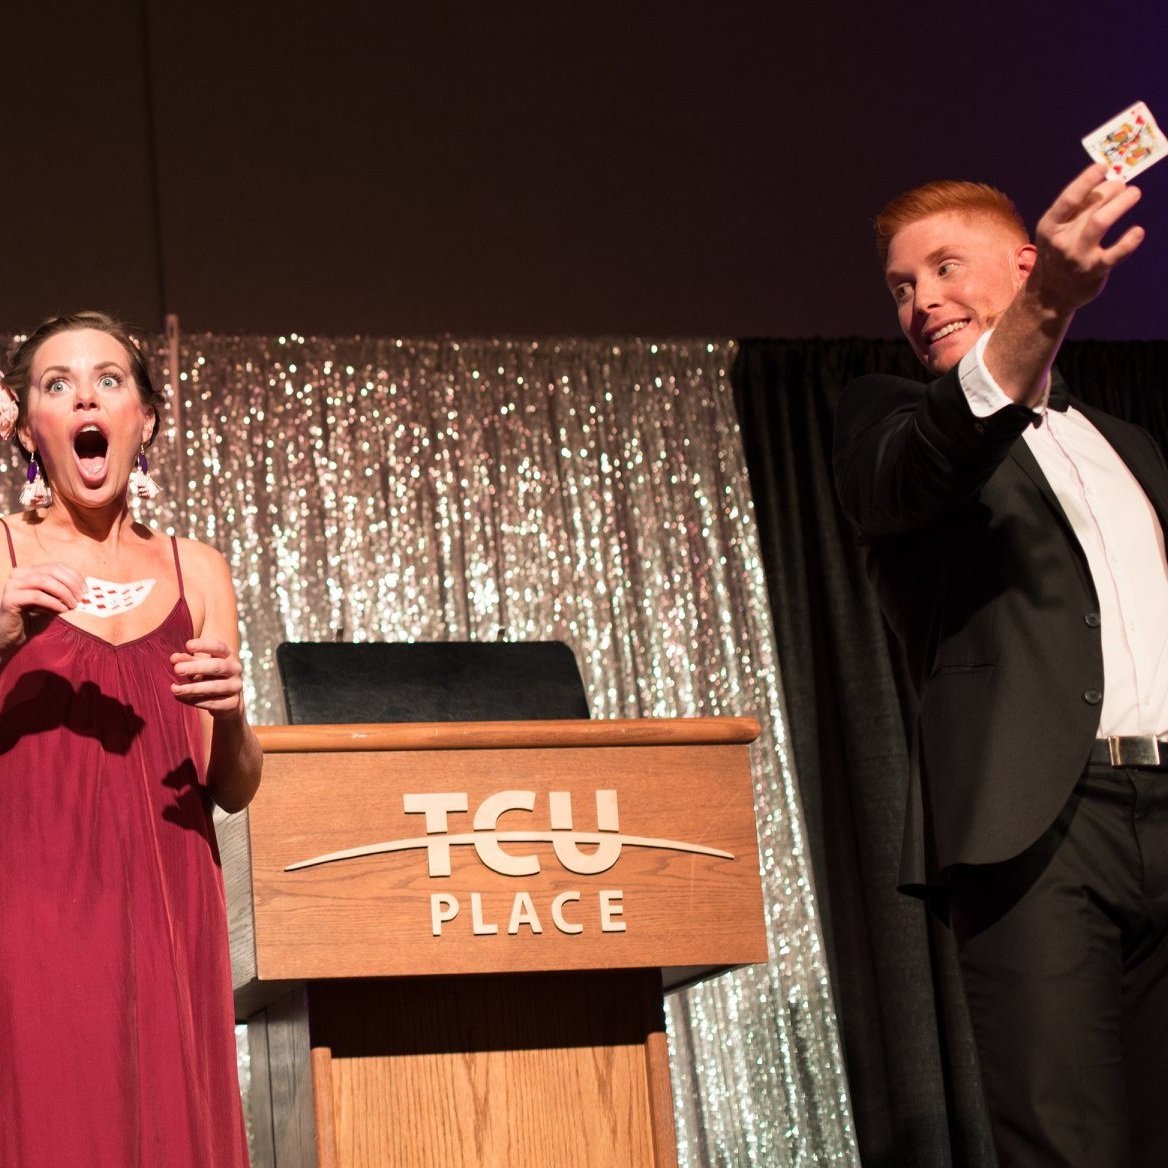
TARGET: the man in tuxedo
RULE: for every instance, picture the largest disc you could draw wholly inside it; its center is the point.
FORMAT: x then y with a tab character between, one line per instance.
1017	546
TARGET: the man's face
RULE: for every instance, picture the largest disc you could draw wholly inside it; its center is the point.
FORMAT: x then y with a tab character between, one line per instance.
952	276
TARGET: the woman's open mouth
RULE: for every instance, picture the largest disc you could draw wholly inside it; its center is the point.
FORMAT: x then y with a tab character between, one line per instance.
91	447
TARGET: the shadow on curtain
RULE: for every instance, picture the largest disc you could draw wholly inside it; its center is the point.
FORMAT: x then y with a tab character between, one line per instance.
908	1050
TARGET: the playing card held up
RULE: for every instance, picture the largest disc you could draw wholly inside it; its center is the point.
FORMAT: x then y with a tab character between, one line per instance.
1129	143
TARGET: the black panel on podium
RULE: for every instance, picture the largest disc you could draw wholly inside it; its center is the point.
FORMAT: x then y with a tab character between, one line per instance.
328	682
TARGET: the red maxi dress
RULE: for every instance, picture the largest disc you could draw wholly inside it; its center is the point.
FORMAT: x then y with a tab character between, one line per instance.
116	1021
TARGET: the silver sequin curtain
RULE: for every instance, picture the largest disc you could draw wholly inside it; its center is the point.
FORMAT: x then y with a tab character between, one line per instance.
588	491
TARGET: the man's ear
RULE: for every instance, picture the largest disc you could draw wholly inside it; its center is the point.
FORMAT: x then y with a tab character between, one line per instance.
1025	256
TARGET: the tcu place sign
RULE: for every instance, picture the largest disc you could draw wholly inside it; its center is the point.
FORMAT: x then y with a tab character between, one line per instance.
488	847
584	853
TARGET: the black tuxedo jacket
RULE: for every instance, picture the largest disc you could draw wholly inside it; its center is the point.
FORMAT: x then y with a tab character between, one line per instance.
981	576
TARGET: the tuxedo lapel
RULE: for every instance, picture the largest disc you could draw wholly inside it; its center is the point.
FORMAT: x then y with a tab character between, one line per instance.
1021	454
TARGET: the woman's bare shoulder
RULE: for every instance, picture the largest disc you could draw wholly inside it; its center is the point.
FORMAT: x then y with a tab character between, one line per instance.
9	522
210	590
19	520
202	560
18	528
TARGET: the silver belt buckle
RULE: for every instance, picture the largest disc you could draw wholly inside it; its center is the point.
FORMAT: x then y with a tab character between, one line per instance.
1134	751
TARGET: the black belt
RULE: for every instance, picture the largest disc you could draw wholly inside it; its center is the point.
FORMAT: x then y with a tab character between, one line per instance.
1137	751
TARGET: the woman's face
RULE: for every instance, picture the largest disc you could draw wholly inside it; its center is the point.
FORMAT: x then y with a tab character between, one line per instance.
84	416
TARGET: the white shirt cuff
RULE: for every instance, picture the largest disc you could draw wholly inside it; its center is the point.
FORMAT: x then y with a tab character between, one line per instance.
984	395
982	392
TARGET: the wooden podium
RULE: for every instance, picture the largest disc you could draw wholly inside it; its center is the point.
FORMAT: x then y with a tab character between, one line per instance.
450	941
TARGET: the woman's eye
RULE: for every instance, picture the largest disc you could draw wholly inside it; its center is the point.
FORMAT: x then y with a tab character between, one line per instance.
109	381
55	386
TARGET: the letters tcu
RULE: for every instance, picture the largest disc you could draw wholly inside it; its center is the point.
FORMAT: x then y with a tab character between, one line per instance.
487	842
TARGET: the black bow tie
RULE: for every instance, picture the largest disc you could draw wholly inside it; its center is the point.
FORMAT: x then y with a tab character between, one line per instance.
1060	396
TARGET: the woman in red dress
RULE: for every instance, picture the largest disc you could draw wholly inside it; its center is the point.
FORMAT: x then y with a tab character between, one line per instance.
121	722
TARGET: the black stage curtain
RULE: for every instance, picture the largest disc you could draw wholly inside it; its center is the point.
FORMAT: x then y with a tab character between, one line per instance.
906	1039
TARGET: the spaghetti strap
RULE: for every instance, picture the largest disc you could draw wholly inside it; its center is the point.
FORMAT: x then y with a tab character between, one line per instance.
12	550
177	565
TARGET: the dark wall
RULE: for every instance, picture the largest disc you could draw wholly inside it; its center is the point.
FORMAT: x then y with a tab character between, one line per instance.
535	168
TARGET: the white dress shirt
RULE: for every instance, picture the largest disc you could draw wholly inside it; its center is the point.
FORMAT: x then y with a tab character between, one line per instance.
1121	537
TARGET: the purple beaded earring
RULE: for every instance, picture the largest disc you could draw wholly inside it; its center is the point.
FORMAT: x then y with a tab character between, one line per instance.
36	491
142	486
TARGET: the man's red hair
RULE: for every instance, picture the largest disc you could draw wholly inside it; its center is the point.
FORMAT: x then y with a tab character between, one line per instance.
936	198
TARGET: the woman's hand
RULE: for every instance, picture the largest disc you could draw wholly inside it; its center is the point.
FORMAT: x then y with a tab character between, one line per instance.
209	676
32	591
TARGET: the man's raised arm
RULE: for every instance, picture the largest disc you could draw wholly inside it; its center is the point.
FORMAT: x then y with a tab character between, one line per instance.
1070	270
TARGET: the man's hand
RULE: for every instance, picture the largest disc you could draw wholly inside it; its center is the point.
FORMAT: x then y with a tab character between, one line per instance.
1073	262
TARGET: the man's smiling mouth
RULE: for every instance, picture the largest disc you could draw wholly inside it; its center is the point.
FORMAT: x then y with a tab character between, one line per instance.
945	330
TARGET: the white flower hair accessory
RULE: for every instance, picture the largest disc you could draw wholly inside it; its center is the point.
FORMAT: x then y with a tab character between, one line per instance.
9	410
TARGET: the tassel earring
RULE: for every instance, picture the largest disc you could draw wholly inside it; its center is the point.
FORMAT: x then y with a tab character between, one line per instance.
142	486
36	491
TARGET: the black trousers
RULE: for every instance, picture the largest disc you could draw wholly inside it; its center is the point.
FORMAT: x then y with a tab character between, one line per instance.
1064	960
